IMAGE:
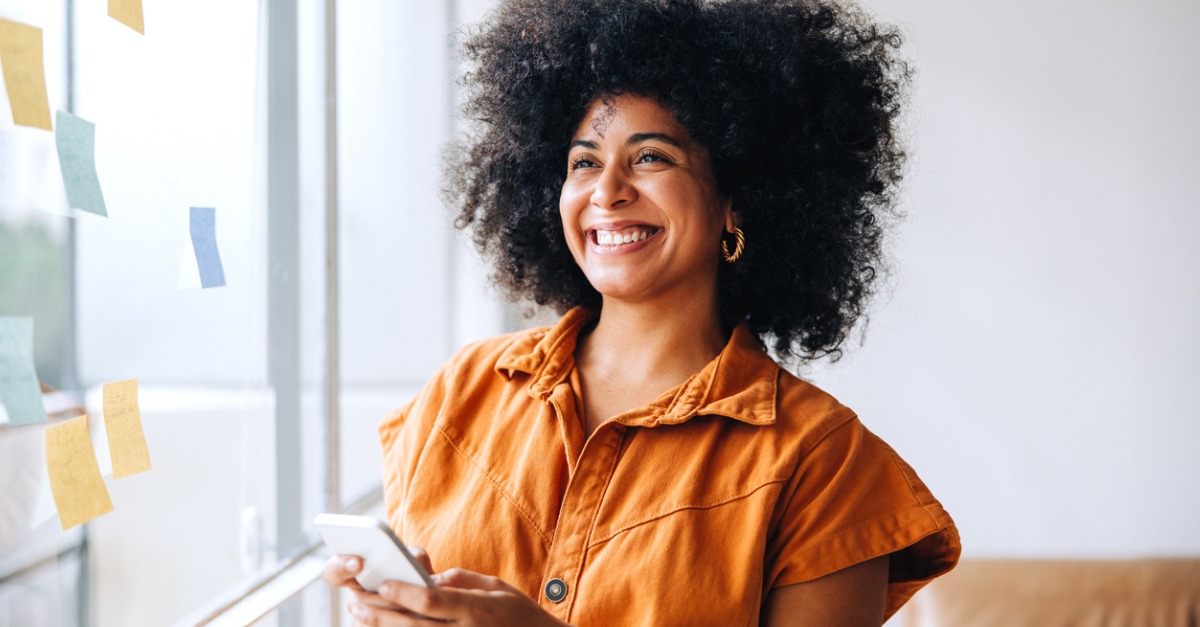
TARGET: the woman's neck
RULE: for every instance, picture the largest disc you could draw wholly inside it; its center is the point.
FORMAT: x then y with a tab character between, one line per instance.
659	346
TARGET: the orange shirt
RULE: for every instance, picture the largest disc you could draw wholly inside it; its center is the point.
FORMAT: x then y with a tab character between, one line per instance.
687	511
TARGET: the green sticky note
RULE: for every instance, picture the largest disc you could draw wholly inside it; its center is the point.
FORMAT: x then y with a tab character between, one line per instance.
76	141
19	389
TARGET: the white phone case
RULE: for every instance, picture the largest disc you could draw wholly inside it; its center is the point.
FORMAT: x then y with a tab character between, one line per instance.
384	557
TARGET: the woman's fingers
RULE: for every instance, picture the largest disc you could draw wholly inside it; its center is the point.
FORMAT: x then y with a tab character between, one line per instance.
432	602
372	599
422	557
456	591
463	597
340	570
460	578
374	616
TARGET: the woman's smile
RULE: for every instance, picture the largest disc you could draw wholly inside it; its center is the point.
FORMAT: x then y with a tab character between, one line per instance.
613	239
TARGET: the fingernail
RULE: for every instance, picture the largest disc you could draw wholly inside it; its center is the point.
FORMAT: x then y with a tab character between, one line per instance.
352	564
386	589
356	610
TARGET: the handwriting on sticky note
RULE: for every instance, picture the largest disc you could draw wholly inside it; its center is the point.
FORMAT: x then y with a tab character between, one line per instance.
127	12
123	426
24	73
75	480
19	389
204	242
76	142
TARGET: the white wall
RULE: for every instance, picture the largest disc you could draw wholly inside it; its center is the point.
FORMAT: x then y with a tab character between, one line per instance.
1037	358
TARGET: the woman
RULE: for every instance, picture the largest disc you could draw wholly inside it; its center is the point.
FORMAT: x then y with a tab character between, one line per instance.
690	181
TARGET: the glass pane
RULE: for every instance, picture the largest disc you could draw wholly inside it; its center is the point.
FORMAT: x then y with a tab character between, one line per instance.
40	566
180	124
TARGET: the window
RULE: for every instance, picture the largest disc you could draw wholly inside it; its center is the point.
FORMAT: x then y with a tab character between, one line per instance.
222	104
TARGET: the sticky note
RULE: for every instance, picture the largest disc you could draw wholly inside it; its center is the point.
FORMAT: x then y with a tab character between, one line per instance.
19	388
24	73
76	142
75	480
127	12
123	426
204	242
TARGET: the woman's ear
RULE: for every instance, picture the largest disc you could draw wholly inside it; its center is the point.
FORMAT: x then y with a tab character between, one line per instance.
731	218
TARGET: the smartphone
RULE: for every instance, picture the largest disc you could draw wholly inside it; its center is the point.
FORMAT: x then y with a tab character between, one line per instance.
384	557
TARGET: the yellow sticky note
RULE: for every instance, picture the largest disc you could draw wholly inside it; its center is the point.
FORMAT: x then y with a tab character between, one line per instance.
24	73
123	424
127	12
75	480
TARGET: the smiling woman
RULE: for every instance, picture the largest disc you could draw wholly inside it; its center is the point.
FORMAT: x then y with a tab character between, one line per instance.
687	182
640	209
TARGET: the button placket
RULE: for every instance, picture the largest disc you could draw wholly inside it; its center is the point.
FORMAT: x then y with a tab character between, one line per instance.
580	504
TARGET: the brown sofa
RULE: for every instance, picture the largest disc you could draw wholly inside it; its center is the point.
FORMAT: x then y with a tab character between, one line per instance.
1062	593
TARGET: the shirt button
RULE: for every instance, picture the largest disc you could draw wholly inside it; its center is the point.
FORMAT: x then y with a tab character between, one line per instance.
556	590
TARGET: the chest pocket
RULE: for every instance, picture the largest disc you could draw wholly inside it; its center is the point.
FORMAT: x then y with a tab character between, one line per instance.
706	463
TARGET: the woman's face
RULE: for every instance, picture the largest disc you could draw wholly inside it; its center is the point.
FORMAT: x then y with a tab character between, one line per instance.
639	207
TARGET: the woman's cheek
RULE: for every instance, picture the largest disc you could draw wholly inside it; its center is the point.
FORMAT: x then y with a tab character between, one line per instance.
571	228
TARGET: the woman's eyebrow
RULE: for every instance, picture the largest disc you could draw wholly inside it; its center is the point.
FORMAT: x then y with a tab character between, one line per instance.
638	138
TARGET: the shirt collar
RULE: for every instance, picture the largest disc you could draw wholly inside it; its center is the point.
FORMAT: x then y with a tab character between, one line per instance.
740	382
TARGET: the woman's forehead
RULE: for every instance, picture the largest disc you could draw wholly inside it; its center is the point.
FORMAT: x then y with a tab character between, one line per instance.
631	114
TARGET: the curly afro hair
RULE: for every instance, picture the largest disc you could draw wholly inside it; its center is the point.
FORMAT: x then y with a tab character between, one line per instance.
796	102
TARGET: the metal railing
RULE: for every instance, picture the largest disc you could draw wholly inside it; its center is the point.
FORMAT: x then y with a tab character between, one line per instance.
254	599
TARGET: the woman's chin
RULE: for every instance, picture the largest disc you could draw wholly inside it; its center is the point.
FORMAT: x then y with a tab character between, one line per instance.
623	290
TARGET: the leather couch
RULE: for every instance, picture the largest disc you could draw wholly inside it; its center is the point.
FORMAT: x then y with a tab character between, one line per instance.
1156	592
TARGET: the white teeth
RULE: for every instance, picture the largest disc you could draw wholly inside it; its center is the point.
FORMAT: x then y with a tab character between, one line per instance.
614	238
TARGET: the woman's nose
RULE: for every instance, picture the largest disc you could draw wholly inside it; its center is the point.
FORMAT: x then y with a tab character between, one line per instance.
613	189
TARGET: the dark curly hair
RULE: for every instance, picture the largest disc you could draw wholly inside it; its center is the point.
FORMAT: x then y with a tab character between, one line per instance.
795	100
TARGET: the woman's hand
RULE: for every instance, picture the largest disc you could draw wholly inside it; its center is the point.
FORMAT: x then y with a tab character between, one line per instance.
340	572
461	597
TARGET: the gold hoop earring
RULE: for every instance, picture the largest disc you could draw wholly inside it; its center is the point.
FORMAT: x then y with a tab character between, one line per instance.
737	248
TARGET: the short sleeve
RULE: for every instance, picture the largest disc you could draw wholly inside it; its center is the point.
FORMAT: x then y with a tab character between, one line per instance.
853	499
403	435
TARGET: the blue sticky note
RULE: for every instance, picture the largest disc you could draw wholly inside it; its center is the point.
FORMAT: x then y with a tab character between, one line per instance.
75	138
19	389
204	242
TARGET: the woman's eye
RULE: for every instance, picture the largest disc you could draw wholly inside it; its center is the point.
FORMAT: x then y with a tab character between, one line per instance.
650	157
582	163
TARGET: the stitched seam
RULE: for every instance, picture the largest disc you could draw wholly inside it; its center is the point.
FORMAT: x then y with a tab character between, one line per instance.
496	484
911	488
712	505
761	600
850	417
